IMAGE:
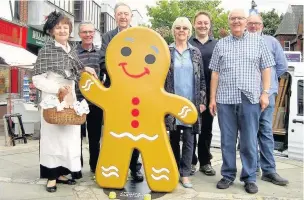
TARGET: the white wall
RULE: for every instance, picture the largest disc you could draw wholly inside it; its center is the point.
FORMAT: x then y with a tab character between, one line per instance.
5	9
136	19
108	9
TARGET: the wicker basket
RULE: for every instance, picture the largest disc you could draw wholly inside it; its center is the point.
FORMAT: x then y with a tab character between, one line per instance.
66	117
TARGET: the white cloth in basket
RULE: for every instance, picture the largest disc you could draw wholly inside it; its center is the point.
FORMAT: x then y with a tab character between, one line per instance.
51	101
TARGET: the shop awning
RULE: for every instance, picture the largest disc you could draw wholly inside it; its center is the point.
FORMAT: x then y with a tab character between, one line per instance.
16	56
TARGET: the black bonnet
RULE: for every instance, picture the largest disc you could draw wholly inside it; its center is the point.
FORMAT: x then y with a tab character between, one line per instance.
51	20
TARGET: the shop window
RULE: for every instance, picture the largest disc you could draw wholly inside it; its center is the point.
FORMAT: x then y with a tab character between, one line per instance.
4	84
300	98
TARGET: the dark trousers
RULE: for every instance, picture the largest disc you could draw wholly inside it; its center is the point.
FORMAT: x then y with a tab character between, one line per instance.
94	123
204	140
135	165
83	131
184	162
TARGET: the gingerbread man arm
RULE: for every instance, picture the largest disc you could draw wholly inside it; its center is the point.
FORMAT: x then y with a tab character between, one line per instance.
181	108
93	90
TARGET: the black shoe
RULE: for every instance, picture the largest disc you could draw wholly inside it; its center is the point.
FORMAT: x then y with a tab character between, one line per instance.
208	170
137	176
251	188
51	189
224	184
275	179
68	181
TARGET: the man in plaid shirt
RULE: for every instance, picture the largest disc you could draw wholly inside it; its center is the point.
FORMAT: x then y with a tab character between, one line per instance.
90	56
238	64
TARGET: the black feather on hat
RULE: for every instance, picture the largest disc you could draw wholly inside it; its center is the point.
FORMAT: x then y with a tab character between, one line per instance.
51	20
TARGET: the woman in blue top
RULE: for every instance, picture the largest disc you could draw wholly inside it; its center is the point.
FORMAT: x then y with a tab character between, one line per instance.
185	78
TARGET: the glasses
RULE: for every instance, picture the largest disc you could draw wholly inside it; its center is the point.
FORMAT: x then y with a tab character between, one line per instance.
236	18
87	32
179	28
254	23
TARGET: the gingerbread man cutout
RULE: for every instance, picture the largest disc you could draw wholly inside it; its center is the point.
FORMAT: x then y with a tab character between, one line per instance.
135	106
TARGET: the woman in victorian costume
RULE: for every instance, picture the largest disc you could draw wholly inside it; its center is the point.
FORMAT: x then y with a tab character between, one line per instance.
55	72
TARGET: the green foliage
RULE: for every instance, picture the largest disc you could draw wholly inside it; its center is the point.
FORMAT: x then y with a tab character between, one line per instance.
166	11
271	21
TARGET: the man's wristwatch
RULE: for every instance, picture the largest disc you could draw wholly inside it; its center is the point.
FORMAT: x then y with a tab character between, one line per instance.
266	92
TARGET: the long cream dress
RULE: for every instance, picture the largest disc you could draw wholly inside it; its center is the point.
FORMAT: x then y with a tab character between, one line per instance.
60	146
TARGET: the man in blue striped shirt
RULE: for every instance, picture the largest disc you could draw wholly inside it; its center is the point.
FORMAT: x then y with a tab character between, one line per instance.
238	63
265	134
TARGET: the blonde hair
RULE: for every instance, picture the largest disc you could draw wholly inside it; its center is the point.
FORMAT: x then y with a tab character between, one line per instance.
179	21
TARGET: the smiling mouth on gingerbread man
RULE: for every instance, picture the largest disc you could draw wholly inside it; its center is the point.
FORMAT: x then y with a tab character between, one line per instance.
145	72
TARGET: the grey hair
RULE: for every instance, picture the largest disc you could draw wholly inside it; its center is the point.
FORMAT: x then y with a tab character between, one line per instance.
238	9
258	15
84	23
122	4
182	20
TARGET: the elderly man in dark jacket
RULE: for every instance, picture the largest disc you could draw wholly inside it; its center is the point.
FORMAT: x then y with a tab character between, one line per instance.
123	16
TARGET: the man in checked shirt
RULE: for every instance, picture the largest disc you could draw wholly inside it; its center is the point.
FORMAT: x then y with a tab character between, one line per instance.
90	56
238	63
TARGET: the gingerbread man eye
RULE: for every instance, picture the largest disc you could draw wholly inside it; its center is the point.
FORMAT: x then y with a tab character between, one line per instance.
150	59
126	51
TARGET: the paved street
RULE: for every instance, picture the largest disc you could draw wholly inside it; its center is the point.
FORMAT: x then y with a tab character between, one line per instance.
19	180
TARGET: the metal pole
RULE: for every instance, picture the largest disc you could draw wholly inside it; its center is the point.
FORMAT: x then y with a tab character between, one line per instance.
11	7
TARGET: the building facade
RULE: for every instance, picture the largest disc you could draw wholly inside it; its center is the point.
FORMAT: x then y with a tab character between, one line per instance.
107	18
137	18
88	10
290	30
37	11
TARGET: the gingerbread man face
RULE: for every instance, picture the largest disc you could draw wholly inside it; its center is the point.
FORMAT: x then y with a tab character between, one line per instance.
134	107
138	56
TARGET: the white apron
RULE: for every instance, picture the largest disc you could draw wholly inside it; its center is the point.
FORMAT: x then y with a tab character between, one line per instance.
60	146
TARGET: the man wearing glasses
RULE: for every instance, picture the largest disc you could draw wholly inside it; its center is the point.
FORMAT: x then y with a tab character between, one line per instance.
123	16
90	56
239	63
265	134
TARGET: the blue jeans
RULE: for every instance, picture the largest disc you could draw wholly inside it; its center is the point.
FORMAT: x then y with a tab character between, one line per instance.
265	139
243	117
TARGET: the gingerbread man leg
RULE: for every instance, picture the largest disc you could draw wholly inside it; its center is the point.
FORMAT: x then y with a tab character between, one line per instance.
160	165
113	163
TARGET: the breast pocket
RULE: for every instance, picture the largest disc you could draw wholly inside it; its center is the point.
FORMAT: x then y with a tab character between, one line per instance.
227	61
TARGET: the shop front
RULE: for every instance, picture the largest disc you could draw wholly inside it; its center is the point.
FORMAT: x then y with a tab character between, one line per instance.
35	39
13	59
10	34
16	90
